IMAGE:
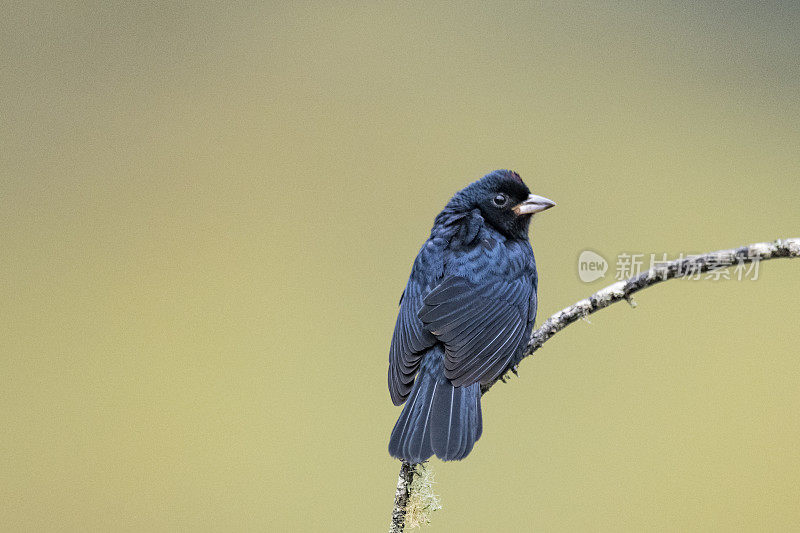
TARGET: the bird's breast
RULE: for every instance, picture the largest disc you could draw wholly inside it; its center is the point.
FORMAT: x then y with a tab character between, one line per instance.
489	257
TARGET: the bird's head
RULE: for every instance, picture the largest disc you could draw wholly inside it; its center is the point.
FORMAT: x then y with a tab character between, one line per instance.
505	202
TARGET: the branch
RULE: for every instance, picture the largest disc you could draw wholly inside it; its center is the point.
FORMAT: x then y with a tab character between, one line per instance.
617	292
401	498
679	268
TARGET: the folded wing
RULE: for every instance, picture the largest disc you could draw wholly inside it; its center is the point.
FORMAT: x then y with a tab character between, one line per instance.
409	342
483	326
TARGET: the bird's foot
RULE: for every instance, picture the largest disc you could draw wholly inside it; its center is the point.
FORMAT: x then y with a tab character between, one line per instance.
505	376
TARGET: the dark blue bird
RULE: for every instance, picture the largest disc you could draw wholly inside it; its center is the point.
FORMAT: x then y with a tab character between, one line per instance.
465	316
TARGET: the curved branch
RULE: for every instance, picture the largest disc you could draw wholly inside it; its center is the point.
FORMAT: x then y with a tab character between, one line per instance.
679	268
617	292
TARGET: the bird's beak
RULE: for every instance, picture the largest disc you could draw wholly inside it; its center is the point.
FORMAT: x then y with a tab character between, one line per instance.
533	204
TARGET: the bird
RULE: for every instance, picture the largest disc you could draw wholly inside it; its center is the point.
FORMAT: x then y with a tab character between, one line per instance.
465	316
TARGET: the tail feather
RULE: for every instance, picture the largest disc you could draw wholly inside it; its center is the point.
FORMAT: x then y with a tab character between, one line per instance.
454	428
410	440
437	418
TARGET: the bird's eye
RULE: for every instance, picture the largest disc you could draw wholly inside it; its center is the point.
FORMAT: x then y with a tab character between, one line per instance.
500	200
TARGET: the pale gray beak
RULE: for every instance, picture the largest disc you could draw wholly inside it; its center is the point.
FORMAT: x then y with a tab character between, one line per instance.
533	204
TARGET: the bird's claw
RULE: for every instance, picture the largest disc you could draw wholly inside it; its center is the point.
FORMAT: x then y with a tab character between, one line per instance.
506	376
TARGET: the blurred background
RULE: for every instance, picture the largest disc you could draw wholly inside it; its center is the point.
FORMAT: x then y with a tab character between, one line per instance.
209	212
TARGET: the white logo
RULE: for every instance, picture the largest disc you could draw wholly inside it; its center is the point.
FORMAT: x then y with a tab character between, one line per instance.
591	266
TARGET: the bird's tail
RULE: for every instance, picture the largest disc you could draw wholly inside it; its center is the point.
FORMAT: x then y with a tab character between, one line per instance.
437	418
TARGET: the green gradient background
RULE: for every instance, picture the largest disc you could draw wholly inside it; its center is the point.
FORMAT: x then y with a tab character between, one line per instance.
209	213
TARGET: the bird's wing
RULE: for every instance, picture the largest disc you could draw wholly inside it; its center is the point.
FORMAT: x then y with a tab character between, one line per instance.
410	339
482	326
